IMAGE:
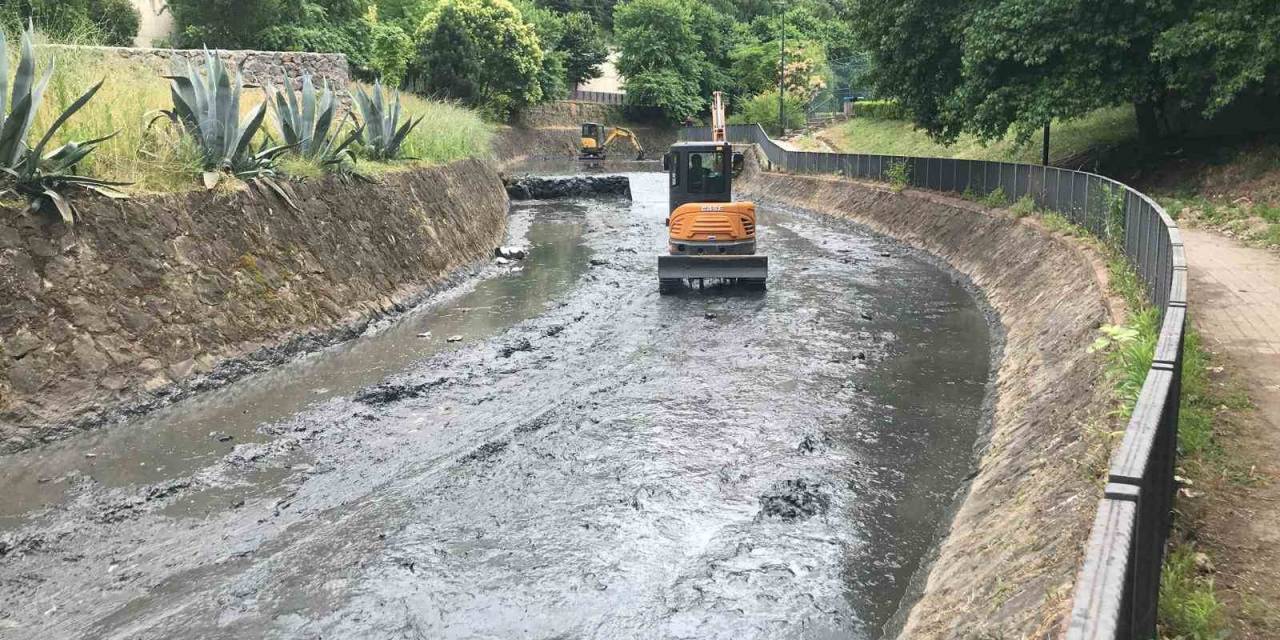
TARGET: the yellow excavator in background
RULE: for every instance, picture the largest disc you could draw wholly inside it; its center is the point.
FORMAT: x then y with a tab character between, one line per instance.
595	142
710	236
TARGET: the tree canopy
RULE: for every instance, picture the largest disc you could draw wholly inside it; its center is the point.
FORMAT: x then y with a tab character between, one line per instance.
987	67
482	52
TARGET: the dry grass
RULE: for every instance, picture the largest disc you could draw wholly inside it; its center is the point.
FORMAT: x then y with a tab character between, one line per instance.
154	156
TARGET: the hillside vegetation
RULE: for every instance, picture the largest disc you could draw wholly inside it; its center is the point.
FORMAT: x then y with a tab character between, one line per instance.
1069	141
154	156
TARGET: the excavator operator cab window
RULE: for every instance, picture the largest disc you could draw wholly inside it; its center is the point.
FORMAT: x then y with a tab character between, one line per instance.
706	172
590	130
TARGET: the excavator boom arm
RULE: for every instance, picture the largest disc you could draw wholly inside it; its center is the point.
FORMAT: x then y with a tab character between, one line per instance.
629	136
717	118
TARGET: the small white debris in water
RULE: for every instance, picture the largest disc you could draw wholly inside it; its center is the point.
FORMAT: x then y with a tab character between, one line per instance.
455	338
90	455
424	334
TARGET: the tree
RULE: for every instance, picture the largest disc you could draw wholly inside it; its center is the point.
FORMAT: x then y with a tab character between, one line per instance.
660	55
391	52
991	66
1223	49
225	24
583	46
986	66
755	67
762	109
482	52
601	11
408	14
109	22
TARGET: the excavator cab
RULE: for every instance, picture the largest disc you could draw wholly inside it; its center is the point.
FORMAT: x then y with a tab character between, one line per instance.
592	146
710	235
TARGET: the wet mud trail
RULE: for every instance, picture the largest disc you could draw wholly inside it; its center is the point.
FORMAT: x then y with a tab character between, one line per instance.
589	460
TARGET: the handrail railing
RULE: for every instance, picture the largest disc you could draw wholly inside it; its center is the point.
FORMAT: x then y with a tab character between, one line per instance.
1117	591
602	97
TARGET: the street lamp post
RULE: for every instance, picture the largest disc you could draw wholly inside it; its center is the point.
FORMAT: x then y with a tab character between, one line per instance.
782	79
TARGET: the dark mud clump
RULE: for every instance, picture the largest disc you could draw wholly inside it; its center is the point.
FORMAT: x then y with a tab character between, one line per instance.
388	392
534	188
522	344
792	500
486	451
538	423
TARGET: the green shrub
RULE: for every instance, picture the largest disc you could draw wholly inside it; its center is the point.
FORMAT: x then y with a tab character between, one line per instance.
763	109
996	199
878	110
392	49
898	174
1025	206
109	22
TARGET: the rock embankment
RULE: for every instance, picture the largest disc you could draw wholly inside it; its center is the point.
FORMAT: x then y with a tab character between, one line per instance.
150	299
1007	564
536	188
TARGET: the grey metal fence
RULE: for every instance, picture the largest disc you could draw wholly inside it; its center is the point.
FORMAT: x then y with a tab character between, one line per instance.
602	97
1117	592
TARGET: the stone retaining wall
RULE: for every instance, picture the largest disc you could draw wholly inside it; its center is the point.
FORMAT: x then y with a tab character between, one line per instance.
148	299
258	67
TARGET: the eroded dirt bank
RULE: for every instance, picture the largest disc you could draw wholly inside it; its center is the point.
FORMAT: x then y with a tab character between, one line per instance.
1008	562
553	131
146	299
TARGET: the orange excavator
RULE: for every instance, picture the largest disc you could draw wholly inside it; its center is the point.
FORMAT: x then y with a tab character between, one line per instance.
710	236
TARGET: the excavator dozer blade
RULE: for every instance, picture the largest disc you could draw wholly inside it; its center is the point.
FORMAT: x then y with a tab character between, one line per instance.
681	267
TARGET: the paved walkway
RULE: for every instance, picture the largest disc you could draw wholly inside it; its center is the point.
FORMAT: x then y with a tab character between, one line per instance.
1235	302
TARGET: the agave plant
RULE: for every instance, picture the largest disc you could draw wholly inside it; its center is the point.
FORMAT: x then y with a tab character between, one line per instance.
382	134
208	107
306	123
28	171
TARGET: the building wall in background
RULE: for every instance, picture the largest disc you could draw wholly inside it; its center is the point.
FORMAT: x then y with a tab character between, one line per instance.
610	82
157	22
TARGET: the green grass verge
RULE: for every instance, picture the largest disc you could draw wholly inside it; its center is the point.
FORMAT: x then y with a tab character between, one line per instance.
156	157
1069	139
1254	223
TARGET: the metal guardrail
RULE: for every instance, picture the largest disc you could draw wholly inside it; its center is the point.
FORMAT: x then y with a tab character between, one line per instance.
602	97
1118	587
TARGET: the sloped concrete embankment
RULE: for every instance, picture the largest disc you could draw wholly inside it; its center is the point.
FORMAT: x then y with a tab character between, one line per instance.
150	299
1007	564
553	131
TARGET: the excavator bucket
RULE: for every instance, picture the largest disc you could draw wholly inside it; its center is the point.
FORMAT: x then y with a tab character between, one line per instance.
674	268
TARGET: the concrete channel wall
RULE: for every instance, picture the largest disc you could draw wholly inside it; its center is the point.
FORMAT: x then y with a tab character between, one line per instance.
1037	548
147	300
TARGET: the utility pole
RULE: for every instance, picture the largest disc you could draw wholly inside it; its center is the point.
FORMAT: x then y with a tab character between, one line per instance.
1044	154
782	78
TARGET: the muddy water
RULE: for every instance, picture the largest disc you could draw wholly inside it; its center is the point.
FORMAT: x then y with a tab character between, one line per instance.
591	460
